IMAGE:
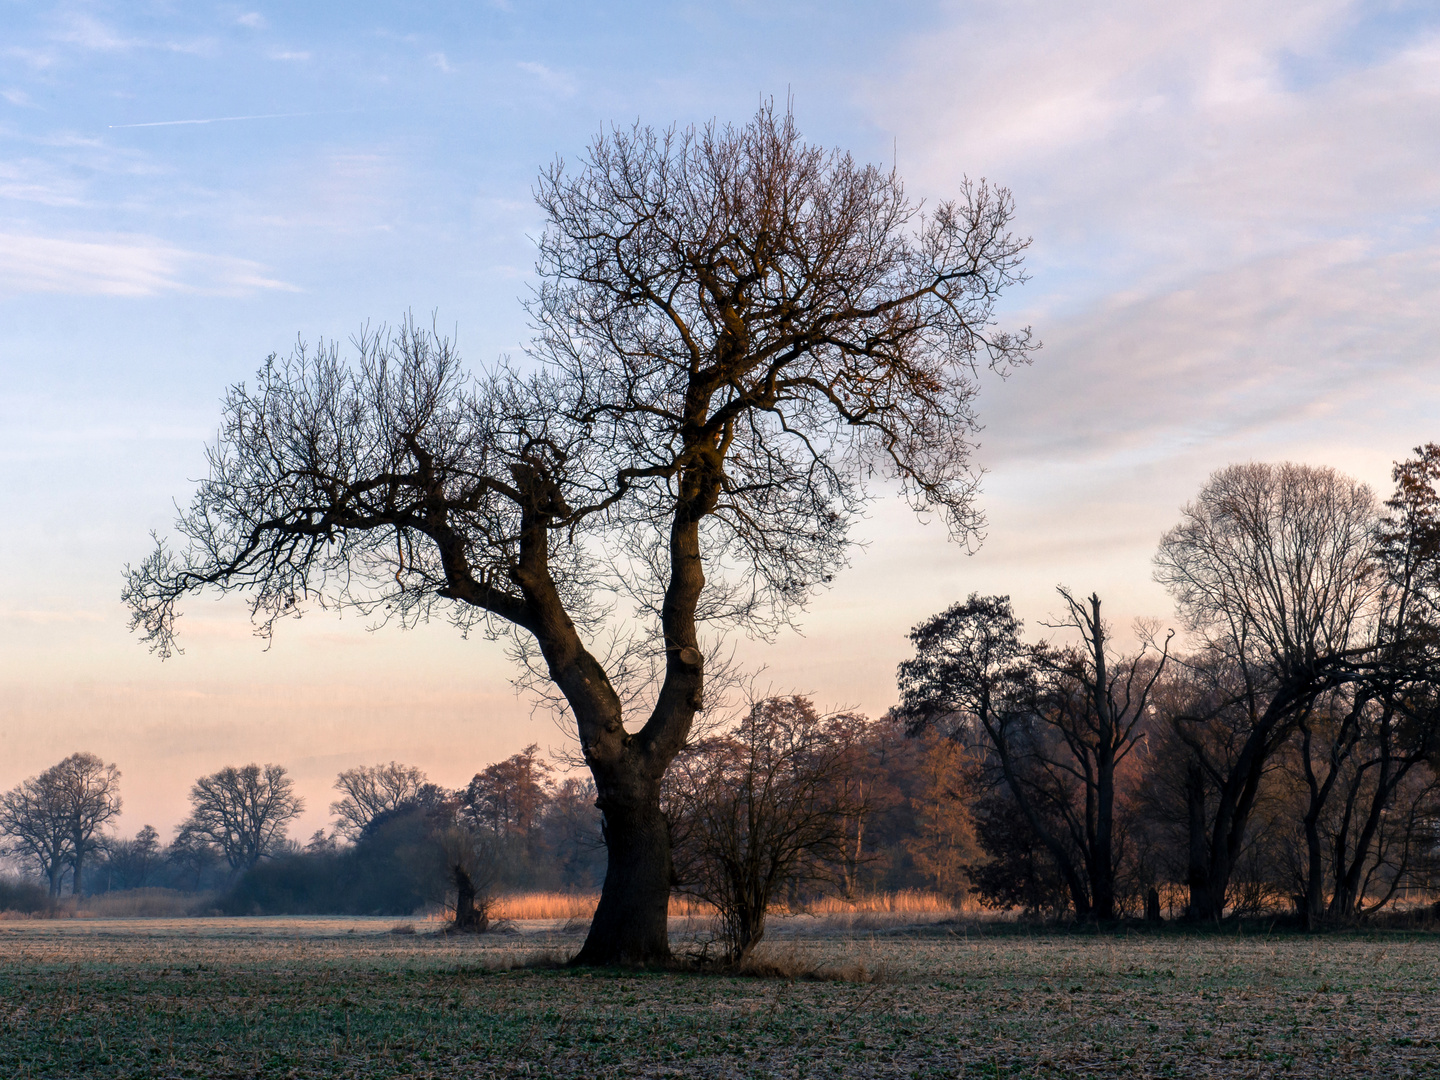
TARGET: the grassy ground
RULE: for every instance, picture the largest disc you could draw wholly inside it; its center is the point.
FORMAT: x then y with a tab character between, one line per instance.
348	998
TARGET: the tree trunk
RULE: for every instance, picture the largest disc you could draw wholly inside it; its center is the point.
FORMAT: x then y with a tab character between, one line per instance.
631	923
1314	899
1202	901
1102	884
468	915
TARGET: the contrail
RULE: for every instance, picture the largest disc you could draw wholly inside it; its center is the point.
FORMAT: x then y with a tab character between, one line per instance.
211	120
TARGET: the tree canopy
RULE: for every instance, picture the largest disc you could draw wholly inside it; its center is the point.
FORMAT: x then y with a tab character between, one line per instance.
736	331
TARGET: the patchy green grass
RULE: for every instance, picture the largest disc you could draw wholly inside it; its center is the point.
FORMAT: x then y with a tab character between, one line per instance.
347	998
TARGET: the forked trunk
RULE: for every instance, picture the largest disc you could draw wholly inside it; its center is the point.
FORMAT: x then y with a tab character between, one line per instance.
631	923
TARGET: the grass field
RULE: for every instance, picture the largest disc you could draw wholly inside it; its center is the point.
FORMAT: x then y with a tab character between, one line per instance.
353	998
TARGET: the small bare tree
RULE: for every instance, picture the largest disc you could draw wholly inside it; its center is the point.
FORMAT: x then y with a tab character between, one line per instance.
371	790
760	807
243	812
736	332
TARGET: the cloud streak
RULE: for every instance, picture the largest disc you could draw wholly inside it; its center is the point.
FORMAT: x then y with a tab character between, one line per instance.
123	265
210	120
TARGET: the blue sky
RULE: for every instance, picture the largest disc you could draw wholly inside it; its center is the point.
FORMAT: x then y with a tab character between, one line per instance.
1236	256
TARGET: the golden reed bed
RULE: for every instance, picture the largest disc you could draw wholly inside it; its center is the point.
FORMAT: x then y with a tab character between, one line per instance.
558	905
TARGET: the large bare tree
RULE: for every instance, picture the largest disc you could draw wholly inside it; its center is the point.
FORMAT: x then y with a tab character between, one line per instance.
736	330
1299	592
89	792
33	820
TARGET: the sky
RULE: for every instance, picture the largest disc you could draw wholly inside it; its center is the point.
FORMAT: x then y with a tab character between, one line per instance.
1235	212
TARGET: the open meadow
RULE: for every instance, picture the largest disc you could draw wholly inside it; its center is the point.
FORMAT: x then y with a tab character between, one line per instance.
354	997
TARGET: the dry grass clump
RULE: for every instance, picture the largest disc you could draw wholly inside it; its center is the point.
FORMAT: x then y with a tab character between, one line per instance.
900	902
563	905
794	966
880	910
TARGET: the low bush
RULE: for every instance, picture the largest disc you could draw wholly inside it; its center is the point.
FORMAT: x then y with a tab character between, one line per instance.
24	897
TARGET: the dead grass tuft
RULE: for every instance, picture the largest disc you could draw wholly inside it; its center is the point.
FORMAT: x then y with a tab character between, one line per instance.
793	966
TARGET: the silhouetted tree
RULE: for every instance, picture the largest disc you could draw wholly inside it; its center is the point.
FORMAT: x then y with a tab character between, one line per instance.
1055	724
759	807
243	813
369	790
736	331
1278	569
55	818
33	820
509	796
89	792
192	855
135	862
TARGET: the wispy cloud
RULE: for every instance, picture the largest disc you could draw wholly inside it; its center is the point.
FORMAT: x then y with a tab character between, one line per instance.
122	265
438	59
17	97
253	19
210	120
39	59
33	181
556	82
292	56
95	36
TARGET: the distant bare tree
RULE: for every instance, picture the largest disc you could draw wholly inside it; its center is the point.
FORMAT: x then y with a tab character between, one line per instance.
192	854
762	806
509	796
737	331
135	861
1281	571
371	790
32	818
55	818
243	812
89	792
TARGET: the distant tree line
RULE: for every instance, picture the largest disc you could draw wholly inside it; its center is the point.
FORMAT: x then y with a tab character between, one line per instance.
1288	760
